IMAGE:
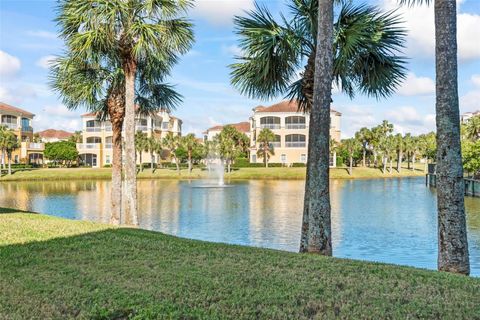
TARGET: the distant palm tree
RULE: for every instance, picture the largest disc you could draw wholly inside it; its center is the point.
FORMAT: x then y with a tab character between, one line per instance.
408	147
9	143
351	145
152	147
400	146
472	128
358	52
172	142
3	143
452	229
364	136
76	137
189	142
152	33
265	147
141	145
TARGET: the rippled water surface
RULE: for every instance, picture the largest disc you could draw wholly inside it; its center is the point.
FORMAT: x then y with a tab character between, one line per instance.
388	220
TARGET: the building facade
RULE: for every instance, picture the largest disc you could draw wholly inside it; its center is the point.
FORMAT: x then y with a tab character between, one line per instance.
468	115
290	127
20	122
243	127
96	147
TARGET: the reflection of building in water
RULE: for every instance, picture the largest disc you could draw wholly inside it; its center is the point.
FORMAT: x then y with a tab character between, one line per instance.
93	200
336	186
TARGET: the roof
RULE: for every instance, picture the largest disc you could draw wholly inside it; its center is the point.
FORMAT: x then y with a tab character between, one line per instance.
8	108
52	133
284	106
241	126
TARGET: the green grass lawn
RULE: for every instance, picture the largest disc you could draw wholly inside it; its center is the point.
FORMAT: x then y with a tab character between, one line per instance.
242	173
57	268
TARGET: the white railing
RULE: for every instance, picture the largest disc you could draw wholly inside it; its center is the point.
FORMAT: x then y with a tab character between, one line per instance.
141	128
88	145
108	145
94	129
275	144
38	146
9	125
270	126
295	126
27	129
295	144
108	128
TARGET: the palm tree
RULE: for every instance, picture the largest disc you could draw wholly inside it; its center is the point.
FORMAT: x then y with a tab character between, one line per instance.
189	142
3	143
472	128
408	146
141	145
265	147
152	147
136	32
10	144
76	137
172	142
400	145
97	84
229	144
364	136
452	230
351	145
358	52
332	149
390	151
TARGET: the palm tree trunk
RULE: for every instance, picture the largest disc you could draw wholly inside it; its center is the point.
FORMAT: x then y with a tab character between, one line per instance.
384	161
408	160
265	152
116	112
425	167
317	194
391	165
375	158
452	232
351	166
151	161
189	162
364	157
176	164
130	195
4	159
413	161
399	161
9	156
140	158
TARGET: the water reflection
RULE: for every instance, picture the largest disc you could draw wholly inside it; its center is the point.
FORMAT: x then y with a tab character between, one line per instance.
391	220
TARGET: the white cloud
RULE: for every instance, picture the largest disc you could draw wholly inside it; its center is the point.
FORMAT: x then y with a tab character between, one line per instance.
45	62
221	12
408	119
7	96
9	65
60	110
476	79
58	117
470	101
17	95
355	117
414	85
42	34
419	21
233	50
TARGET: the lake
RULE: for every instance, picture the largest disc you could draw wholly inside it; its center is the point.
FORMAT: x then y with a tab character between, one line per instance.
387	220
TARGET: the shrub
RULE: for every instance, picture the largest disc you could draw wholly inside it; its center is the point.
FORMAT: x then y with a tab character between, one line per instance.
299	164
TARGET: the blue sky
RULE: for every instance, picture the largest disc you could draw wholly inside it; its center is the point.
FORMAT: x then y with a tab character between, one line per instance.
28	40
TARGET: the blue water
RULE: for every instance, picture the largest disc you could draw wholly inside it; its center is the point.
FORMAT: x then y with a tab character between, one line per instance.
387	220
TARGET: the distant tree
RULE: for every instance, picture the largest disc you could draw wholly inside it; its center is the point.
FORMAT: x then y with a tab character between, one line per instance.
3	137
400	146
471	157
36	138
141	145
76	137
408	144
171	142
64	152
265	147
189	143
472	128
152	147
9	143
229	145
351	145
364	136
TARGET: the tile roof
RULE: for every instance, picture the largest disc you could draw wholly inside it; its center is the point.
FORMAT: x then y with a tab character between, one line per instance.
8	108
52	133
241	126
284	106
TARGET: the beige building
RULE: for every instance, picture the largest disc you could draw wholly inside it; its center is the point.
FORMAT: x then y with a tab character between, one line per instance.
210	133
290	127
468	115
96	147
20	121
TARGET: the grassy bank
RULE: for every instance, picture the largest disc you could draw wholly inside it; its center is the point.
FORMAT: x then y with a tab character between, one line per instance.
242	173
56	268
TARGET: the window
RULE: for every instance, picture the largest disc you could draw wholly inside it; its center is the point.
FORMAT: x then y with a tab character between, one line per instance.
107	159
93	126
9	121
94	140
277	143
270	122
295	141
16	158
165	125
303	158
283	157
26	125
295	122
108	142
254	158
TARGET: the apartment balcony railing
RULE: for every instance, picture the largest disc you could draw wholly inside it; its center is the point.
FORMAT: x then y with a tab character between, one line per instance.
27	129
94	129
295	144
108	145
270	126
108	128
91	146
141	128
295	126
275	144
10	125
36	146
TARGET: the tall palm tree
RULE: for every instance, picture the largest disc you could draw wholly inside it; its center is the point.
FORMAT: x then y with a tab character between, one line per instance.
408	146
10	143
152	147
137	32
358	52
141	145
3	138
472	128
452	230
351	145
229	143
399	144
265	148
172	142
189	142
364	136
97	84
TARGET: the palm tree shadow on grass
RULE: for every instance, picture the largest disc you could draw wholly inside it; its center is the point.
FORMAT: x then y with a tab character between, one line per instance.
11	210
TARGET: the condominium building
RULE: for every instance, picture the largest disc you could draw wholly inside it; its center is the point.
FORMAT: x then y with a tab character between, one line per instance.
210	133
20	121
53	135
290	127
468	115
96	147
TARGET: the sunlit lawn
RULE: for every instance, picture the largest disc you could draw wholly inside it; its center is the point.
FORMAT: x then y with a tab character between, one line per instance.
56	268
241	173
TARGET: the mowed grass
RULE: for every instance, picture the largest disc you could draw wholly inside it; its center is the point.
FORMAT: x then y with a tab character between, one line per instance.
242	173
56	268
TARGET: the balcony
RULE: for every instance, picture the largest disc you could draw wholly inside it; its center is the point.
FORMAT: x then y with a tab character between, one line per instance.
275	144
33	146
90	146
108	128
141	128
10	125
108	145
295	144
295	126
270	126
27	129
94	129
